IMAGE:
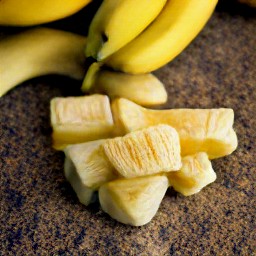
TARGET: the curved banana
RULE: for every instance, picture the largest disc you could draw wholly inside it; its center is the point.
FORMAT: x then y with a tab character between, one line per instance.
33	12
174	28
37	52
118	22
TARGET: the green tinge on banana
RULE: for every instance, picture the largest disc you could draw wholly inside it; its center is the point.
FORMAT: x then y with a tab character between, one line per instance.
175	27
91	76
144	89
118	22
38	52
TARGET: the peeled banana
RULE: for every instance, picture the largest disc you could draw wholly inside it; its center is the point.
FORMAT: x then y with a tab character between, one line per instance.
133	201
38	52
174	28
144	89
80	119
33	12
200	130
152	150
117	22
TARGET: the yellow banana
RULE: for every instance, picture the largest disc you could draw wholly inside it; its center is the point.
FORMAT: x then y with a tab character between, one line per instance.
174	28
33	12
117	22
39	52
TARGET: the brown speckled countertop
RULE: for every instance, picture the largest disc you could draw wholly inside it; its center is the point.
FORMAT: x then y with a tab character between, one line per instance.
39	212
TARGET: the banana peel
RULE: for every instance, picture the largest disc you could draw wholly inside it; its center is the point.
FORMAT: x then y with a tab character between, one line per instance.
37	52
31	12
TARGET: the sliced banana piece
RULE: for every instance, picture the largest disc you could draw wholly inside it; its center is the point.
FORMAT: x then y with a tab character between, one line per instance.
87	168
196	173
80	119
149	151
200	130
145	89
133	201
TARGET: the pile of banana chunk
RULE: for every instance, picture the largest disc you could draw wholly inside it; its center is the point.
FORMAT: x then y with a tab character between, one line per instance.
119	149
131	154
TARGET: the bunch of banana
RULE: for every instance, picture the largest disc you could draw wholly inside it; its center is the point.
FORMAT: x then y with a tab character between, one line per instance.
42	51
31	12
132	38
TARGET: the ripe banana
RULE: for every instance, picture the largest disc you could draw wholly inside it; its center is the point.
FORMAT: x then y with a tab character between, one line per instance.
37	52
33	12
117	22
174	28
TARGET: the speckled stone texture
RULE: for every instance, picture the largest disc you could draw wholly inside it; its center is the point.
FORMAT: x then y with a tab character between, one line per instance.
39	212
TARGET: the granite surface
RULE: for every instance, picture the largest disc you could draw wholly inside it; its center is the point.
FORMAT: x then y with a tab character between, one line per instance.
39	212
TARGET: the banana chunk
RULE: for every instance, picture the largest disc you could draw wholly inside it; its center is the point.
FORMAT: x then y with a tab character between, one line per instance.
87	168
149	151
80	119
200	130
196	173
145	89
133	201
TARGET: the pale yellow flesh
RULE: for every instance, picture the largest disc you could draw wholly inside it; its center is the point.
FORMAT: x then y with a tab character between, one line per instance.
91	164
149	151
33	12
195	174
175	27
117	22
133	201
200	130
85	194
38	52
80	119
145	89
